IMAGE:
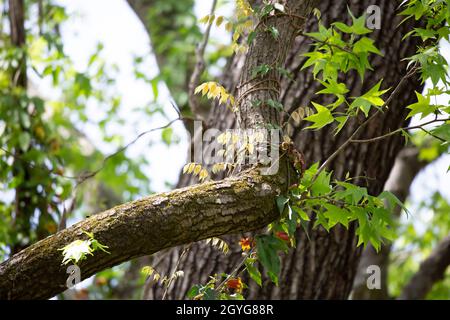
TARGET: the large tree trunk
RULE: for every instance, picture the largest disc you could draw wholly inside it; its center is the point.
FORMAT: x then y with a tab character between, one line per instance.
324	266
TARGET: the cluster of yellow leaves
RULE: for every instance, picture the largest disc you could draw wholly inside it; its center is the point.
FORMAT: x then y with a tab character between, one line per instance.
244	13
222	166
219	244
299	114
196	169
243	8
149	271
213	90
243	24
244	142
209	19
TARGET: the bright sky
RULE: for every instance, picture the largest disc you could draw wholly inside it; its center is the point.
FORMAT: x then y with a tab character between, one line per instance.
114	24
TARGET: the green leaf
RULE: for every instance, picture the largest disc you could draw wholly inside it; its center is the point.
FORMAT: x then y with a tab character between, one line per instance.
422	107
443	132
370	98
359	25
342	120
333	88
251	37
253	272
281	203
336	215
274	32
352	193
392	200
194	291
321	118
24	140
365	45
267	248
322	184
166	135
275	104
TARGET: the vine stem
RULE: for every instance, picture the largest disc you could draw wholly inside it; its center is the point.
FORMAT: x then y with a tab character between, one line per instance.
234	272
183	253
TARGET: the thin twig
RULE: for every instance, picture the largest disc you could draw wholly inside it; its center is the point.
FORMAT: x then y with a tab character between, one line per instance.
183	253
419	126
364	124
235	270
199	66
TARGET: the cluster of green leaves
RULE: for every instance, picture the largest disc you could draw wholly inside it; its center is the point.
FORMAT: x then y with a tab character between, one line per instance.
27	139
433	17
338	50
331	204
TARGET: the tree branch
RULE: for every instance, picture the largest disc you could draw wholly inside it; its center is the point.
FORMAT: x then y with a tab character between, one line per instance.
431	270
143	227
407	166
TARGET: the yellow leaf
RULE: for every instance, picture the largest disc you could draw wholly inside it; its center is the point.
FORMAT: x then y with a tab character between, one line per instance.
223	98
229	26
296	117
235	138
203	174
301	112
191	167
197	169
205	19
205	89
259	136
211	19
236	36
219	21
221	152
199	88
250	148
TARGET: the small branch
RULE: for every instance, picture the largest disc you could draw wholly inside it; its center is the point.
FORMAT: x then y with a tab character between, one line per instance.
235	271
420	126
144	227
171	279
364	124
431	270
83	177
199	66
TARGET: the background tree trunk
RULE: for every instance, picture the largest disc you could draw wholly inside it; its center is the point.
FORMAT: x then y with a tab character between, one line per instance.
323	267
407	166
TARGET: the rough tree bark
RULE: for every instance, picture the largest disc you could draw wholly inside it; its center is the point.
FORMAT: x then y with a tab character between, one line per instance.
144	227
325	266
23	206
